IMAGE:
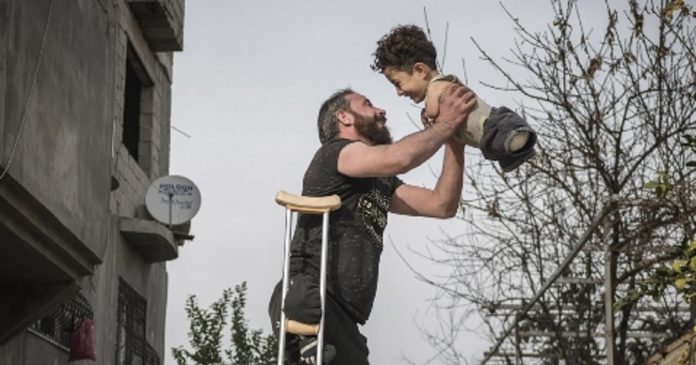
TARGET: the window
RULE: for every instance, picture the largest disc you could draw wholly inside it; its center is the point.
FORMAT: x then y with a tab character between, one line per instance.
59	325
131	111
131	347
137	102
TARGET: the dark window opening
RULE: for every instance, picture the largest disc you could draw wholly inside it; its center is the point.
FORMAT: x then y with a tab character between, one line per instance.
131	111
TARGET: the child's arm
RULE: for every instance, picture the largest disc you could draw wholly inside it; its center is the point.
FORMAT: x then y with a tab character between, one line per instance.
432	99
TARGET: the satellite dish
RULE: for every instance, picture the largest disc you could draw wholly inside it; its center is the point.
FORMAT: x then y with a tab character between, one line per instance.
173	199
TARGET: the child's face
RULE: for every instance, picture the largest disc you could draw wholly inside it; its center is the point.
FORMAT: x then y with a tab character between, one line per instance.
412	85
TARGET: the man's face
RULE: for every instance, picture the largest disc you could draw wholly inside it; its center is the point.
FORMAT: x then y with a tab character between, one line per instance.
369	120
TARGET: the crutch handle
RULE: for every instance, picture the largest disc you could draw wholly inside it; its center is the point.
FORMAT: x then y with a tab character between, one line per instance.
308	204
299	328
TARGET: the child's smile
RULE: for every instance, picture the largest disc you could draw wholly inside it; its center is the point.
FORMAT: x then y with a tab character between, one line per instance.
410	85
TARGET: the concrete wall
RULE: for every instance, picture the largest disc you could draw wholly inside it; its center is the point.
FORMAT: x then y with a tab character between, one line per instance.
31	348
101	290
65	135
70	147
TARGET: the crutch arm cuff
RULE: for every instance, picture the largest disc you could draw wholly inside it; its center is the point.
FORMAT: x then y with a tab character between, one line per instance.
308	204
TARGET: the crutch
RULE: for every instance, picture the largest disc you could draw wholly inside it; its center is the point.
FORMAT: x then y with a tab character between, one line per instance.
305	205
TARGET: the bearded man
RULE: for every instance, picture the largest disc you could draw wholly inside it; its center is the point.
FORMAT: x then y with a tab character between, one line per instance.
358	162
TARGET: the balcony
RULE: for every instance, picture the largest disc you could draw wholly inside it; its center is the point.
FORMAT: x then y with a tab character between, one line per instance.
41	260
161	21
152	240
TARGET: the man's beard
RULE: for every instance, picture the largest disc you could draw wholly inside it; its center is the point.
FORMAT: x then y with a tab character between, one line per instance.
371	129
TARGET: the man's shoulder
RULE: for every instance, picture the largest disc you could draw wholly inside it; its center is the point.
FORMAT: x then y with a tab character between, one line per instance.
322	176
328	152
335	145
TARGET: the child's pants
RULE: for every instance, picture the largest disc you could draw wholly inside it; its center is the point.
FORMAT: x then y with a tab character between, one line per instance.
498	131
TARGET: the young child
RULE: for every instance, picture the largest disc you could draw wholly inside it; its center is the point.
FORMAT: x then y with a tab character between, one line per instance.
407	59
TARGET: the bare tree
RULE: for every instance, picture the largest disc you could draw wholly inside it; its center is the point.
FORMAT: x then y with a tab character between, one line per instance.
610	107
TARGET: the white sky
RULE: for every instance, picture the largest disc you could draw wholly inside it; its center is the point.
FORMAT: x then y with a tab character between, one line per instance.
247	88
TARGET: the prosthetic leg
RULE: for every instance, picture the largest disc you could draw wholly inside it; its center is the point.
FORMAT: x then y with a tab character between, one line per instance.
305	205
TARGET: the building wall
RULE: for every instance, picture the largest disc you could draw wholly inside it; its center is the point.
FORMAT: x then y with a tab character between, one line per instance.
32	348
63	110
70	148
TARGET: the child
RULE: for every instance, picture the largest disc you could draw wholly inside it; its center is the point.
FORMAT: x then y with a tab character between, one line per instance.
407	59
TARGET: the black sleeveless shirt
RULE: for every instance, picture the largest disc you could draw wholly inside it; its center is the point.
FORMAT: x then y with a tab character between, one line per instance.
355	233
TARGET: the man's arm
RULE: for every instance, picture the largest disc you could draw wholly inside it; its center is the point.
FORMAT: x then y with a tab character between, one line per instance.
362	160
443	200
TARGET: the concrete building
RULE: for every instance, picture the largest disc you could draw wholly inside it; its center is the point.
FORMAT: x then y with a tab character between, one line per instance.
85	91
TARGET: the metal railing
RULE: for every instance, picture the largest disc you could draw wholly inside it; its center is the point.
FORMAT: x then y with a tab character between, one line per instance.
59	325
596	222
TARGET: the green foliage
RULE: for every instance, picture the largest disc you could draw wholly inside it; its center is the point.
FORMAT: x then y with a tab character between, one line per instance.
673	6
661	186
680	274
206	328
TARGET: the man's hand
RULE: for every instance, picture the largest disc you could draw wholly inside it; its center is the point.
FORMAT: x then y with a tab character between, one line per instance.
456	102
427	123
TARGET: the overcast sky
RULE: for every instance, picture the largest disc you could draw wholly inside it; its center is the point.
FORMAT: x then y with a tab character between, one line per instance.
247	89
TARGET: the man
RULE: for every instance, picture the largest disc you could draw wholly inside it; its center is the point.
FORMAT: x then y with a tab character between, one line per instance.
359	162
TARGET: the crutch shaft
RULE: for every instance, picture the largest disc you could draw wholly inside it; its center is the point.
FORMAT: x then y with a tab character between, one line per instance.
286	272
322	285
306	205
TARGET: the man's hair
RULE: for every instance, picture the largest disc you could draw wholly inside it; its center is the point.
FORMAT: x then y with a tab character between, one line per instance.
327	122
402	47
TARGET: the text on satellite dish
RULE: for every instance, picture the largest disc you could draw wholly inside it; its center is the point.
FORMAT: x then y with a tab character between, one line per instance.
176	189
